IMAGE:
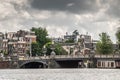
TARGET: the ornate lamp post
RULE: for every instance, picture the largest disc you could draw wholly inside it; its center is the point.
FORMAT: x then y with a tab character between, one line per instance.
91	57
44	51
52	54
52	63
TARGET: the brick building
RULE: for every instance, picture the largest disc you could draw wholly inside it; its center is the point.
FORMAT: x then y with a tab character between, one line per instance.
17	42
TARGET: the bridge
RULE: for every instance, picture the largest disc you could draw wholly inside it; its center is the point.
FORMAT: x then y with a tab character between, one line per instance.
60	61
70	57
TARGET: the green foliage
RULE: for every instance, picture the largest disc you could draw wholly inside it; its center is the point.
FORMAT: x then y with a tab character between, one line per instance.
71	50
41	34
118	36
48	46
104	46
28	52
69	41
57	48
36	50
5	52
41	38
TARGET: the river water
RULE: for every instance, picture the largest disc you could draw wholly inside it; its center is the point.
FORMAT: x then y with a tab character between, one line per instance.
59	74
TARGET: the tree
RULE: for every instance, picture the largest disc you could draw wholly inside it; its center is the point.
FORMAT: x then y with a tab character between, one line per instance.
41	38
104	46
36	50
118	37
58	49
48	47
5	53
71	50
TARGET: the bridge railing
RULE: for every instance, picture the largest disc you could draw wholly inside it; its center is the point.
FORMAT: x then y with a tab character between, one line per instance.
71	56
57	56
107	56
86	56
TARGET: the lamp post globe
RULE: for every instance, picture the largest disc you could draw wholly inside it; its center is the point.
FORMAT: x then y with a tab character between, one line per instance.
52	54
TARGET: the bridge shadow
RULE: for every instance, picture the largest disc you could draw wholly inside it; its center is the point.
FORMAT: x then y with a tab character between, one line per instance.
33	65
69	63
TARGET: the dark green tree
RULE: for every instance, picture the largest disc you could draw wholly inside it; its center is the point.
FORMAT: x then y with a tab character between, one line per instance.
58	49
41	34
41	38
36	50
118	37
48	47
104	46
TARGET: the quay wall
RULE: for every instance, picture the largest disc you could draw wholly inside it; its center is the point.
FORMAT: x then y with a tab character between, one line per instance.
4	64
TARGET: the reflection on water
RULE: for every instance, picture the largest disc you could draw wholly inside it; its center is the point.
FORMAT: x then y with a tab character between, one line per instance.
59	74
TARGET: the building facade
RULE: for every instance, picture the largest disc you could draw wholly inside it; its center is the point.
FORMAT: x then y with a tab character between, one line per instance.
106	64
1	40
17	42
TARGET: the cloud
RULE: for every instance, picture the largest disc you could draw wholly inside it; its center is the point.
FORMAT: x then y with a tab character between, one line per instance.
13	13
113	8
71	6
61	16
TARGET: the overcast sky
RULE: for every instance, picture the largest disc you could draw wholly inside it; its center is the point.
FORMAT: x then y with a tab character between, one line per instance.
61	16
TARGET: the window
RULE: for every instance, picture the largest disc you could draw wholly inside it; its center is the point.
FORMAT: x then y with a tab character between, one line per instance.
112	64
99	64
108	64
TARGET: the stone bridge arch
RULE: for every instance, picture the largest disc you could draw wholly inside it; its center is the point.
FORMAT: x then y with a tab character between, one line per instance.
33	64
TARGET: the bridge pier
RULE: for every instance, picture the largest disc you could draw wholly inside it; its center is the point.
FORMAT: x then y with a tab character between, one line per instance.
53	64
